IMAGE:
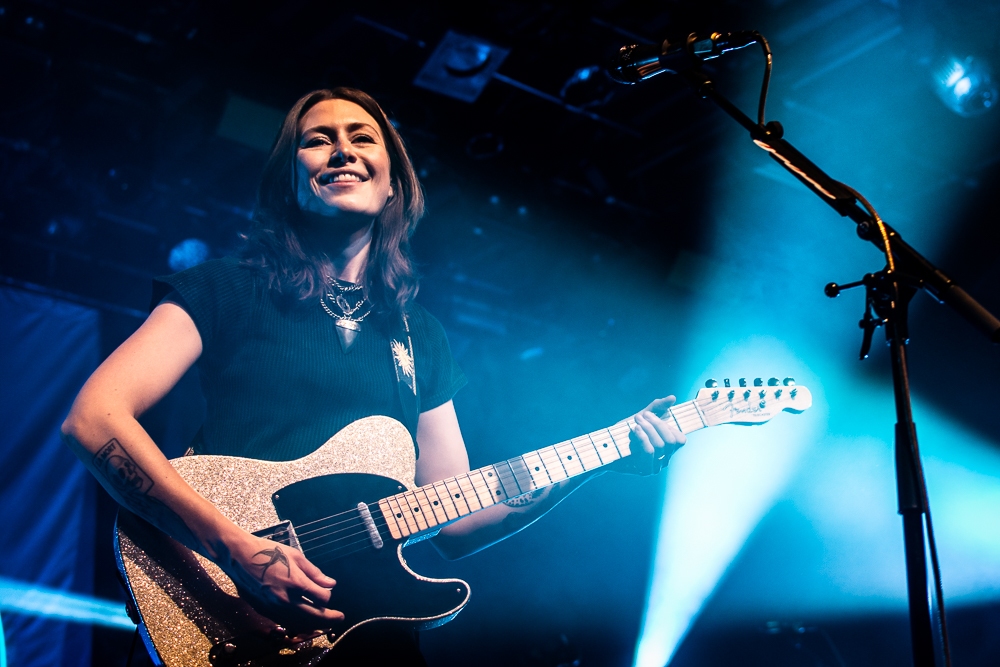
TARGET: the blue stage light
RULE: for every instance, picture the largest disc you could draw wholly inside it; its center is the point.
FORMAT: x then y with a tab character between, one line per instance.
188	253
22	597
965	85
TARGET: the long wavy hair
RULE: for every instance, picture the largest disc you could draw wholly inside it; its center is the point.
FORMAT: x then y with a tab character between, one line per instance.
274	243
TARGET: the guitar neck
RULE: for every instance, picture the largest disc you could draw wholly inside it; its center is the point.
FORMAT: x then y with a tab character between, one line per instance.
425	508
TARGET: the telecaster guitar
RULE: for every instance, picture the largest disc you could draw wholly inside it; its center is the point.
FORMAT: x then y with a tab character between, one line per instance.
350	507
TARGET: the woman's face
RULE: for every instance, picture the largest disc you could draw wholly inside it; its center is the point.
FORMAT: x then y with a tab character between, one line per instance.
341	166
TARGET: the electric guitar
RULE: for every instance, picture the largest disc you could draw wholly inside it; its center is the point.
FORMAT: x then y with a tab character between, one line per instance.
350	507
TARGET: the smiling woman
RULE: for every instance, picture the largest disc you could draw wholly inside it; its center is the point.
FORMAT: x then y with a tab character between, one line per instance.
326	261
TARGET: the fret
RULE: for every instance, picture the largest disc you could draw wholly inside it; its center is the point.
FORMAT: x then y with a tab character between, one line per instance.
621	440
522	473
568	457
677	422
413	508
536	468
432	508
603	444
447	502
553	464
400	512
508	479
588	453
497	493
701	416
390	519
455	492
469	492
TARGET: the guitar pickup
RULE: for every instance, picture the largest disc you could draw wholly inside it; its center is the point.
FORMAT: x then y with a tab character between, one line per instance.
282	533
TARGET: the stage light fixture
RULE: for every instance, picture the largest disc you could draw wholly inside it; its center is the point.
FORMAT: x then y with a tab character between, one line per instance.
187	253
965	85
460	66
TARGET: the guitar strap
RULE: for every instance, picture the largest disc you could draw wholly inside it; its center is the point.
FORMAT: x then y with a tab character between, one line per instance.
406	378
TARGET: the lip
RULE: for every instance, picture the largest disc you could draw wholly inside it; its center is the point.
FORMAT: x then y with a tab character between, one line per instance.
327	178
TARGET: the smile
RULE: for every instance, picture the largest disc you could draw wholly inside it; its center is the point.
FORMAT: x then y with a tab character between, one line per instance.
342	177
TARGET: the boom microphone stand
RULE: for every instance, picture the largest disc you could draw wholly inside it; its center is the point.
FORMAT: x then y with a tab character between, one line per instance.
888	294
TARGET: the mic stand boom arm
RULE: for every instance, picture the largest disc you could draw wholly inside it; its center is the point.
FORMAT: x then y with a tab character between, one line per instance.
889	292
843	200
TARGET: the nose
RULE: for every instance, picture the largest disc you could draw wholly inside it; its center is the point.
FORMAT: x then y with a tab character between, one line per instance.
342	154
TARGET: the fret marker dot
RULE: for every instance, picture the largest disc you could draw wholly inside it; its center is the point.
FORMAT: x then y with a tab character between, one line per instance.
537	468
435	502
498	493
399	515
489	474
605	445
569	458
458	495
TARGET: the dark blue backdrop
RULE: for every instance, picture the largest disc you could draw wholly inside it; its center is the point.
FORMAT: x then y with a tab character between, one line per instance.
47	350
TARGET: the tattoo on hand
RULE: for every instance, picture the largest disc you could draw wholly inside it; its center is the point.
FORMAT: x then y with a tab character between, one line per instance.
274	555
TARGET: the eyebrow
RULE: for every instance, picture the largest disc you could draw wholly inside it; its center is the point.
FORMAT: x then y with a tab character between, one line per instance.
351	127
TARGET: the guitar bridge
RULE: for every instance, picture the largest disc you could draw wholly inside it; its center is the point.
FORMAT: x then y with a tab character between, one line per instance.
282	533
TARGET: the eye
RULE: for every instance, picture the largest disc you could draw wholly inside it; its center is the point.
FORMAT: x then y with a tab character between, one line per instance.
317	140
363	138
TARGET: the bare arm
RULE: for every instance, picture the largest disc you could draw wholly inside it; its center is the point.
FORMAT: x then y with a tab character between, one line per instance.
103	431
443	454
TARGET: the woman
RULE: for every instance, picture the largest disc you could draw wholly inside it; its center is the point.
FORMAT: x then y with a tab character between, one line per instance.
293	341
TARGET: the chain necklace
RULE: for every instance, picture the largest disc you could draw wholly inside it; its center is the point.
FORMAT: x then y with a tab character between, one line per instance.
347	319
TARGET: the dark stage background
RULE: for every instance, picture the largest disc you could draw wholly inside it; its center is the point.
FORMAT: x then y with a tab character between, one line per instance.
587	247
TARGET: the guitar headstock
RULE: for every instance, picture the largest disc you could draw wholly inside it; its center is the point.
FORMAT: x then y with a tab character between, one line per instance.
753	404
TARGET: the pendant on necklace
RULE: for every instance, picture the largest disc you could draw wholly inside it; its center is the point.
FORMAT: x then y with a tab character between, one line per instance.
347	331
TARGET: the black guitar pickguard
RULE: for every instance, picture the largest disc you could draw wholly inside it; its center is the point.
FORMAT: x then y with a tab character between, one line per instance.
371	583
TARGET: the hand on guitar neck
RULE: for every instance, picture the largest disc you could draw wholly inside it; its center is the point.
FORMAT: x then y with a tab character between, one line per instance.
653	440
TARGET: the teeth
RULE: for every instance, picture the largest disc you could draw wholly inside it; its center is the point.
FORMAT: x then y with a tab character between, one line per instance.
345	177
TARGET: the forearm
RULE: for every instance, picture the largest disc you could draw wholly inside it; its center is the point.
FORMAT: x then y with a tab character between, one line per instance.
129	465
489	526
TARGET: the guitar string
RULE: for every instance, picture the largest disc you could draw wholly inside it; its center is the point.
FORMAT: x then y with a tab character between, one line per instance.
354	522
686	407
476	488
689	409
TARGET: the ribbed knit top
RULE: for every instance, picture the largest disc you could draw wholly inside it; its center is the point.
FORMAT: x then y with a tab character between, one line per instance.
277	384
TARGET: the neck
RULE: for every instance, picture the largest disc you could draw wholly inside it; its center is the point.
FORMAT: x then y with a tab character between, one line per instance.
347	248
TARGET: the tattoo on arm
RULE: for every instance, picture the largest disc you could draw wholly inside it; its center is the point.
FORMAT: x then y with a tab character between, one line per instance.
133	484
274	555
526	499
124	474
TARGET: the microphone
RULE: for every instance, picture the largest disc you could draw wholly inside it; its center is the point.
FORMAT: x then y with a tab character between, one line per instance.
638	62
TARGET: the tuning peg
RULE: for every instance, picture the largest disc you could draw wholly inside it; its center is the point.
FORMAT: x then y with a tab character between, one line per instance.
788	382
726	382
777	393
711	384
743	382
757	382
773	382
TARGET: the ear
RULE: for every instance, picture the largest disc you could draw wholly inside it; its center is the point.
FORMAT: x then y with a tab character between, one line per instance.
391	193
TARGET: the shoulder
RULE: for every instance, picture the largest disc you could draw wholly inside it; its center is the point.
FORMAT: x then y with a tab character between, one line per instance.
423	324
214	279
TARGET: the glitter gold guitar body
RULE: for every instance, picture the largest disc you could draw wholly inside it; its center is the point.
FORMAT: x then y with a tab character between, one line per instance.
350	507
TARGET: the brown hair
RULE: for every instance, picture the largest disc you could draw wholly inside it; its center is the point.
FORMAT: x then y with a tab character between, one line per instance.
274	247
